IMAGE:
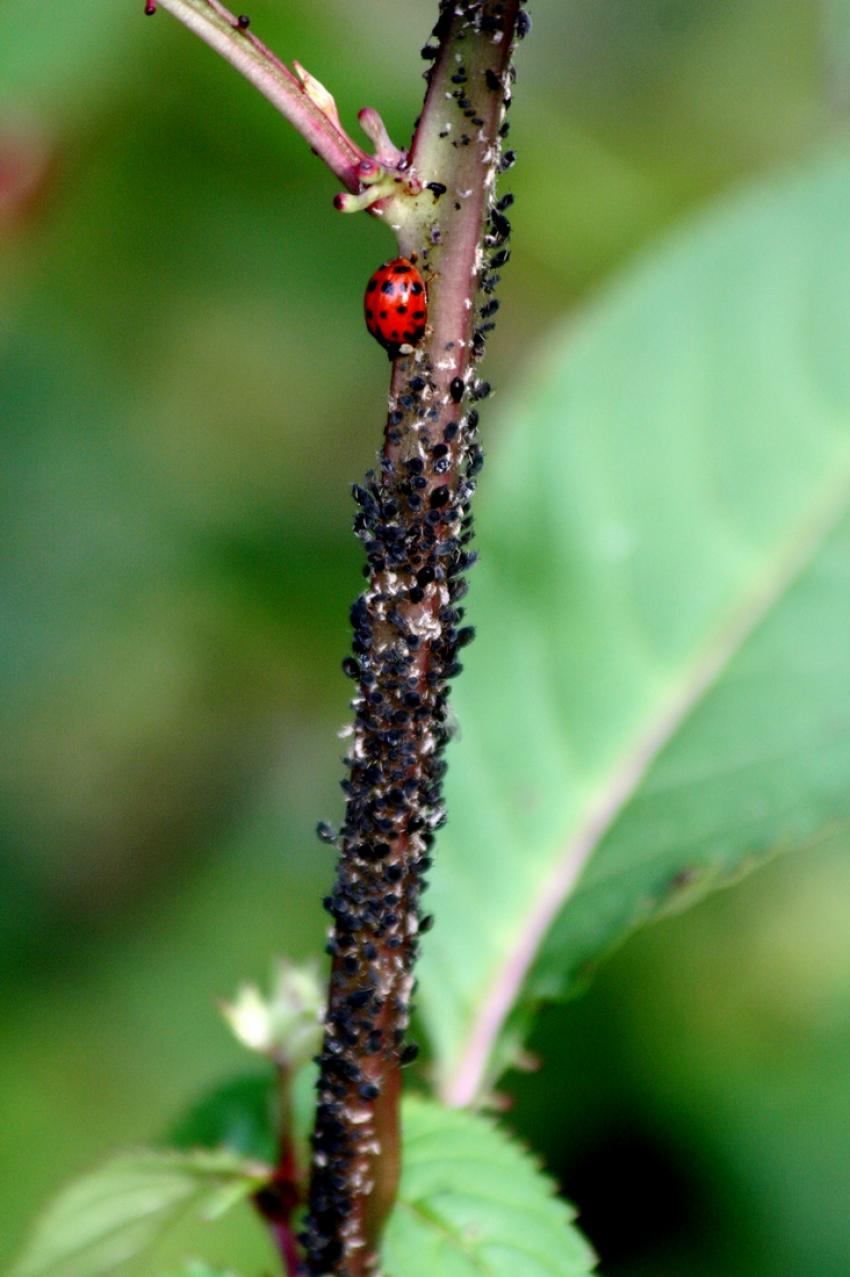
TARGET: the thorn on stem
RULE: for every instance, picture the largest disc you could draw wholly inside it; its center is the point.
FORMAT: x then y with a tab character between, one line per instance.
318	94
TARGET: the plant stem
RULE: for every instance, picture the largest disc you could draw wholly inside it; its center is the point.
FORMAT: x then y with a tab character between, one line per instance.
278	1200
220	29
414	522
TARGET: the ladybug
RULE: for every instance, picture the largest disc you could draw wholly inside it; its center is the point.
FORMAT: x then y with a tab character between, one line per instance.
396	306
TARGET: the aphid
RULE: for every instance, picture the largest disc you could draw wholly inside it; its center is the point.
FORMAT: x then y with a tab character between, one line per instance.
396	306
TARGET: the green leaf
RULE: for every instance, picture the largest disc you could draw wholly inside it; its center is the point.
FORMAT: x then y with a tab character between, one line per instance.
238	1114
243	1114
660	693
199	1269
472	1203
105	1218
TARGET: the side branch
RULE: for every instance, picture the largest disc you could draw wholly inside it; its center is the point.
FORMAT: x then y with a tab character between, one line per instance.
292	95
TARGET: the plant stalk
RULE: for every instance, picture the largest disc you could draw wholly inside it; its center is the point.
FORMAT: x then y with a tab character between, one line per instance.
221	30
414	522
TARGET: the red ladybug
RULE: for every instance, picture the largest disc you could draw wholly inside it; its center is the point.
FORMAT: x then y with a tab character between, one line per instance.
396	306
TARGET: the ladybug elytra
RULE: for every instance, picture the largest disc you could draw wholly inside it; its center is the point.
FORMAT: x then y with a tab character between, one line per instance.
396	306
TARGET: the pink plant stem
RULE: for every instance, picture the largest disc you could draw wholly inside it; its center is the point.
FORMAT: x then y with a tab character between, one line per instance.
220	29
414	525
286	1244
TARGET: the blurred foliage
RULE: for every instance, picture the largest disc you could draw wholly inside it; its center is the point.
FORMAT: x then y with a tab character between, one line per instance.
182	400
663	604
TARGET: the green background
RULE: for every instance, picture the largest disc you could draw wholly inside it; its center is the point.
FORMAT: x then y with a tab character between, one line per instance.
184	384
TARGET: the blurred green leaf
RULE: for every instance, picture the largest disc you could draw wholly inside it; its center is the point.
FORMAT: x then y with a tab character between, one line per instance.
238	1115
663	607
200	1269
242	1114
472	1203
104	1219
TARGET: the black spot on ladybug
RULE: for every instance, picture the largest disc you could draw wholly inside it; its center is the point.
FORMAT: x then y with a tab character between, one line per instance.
388	286
416	289
372	285
401	268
